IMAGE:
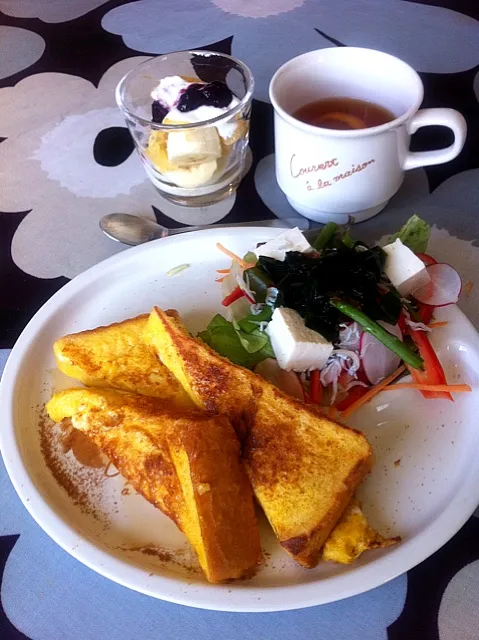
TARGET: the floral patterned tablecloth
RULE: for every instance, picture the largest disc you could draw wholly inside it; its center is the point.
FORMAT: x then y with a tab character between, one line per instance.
66	159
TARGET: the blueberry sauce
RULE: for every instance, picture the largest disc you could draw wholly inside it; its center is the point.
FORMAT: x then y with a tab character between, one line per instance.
158	112
212	94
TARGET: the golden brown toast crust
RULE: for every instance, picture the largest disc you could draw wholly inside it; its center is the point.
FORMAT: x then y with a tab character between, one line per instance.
306	549
303	467
223	498
116	356
186	463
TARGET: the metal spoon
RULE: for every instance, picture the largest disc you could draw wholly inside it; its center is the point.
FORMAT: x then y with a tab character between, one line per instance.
133	230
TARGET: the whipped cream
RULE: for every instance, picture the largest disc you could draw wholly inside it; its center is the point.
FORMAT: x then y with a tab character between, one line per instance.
169	90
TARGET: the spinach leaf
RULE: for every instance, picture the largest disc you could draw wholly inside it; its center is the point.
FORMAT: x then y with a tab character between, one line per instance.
251	322
245	349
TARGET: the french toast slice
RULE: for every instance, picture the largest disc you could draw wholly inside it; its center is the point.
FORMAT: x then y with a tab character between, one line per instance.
116	356
304	468
186	463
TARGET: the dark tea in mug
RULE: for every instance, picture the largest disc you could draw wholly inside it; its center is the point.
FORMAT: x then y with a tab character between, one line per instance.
343	113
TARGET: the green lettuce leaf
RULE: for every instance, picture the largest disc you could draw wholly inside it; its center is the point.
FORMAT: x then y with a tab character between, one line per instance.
414	234
250	257
252	342
242	348
251	322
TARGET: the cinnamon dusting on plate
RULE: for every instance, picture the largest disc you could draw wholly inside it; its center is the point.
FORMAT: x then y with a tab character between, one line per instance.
183	558
80	468
107	472
84	450
81	483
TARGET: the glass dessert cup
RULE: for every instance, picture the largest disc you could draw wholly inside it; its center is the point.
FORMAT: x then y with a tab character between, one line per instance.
195	162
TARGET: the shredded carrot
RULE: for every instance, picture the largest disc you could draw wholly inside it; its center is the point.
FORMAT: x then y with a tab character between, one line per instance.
369	395
242	263
220	279
468	289
450	388
333	413
433	325
225	271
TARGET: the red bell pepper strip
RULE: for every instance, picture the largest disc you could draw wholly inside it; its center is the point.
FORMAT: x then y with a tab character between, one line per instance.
402	324
236	294
433	373
315	387
425	312
354	394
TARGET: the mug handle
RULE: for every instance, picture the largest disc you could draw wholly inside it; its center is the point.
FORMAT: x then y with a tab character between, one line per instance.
445	118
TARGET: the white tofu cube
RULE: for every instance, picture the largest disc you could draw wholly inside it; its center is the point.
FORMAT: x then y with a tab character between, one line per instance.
290	240
405	270
296	347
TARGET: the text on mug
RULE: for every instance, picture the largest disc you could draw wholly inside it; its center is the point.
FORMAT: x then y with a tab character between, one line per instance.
296	172
322	184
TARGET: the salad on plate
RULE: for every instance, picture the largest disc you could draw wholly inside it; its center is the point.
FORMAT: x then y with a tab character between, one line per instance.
335	322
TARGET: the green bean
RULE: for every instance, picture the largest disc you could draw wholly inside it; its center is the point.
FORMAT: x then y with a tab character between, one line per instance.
375	329
325	235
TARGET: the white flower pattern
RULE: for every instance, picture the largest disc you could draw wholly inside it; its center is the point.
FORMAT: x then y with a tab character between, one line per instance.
54	174
254	9
52	11
460	601
19	49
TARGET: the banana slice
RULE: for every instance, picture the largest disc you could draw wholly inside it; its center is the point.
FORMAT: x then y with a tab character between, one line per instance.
167	120
156	152
196	146
189	177
195	175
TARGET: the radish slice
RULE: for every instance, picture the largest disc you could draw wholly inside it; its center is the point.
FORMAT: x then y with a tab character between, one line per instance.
350	336
378	361
426	258
444	287
286	381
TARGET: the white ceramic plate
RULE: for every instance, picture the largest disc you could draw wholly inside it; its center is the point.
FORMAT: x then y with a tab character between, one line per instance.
423	487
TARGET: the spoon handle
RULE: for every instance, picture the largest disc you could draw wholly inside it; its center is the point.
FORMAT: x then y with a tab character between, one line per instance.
278	223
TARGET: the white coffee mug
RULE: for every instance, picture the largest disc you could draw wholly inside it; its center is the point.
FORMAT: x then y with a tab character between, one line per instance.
330	174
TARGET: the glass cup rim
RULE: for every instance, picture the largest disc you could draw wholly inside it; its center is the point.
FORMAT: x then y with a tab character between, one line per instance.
192	125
